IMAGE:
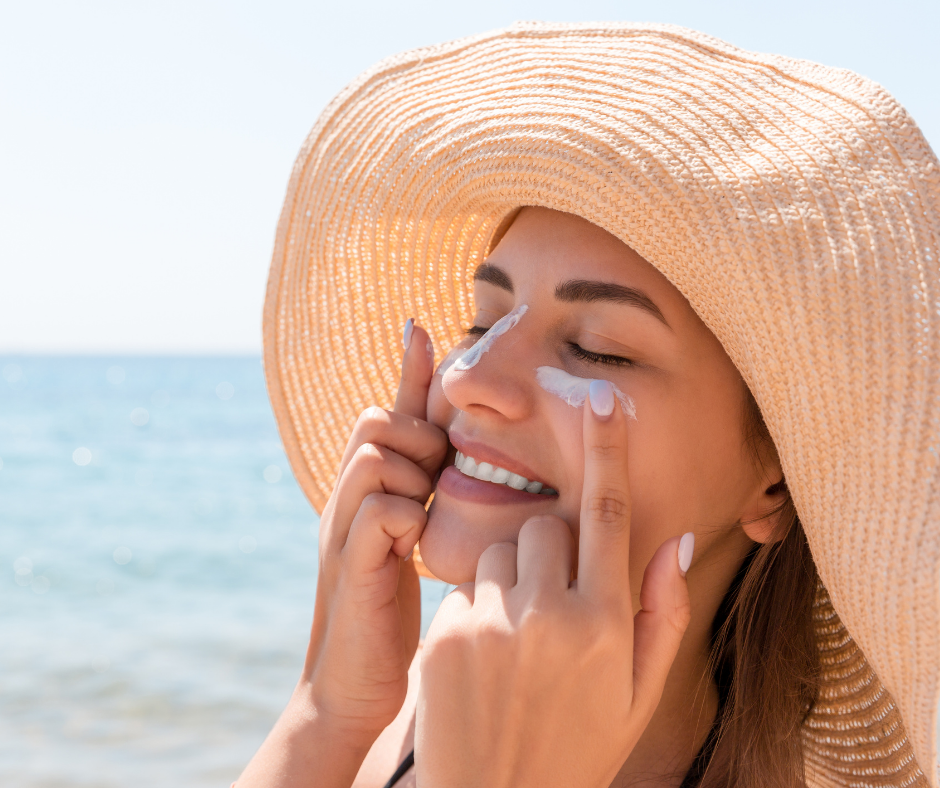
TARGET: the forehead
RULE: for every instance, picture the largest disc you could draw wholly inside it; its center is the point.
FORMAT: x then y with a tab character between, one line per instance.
543	248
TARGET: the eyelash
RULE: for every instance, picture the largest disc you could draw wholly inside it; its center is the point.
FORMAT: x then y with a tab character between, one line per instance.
576	350
598	358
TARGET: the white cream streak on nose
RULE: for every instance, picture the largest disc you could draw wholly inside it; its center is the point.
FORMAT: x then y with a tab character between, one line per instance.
574	390
500	327
449	360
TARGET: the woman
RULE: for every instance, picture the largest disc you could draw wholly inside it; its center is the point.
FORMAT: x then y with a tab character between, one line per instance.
697	398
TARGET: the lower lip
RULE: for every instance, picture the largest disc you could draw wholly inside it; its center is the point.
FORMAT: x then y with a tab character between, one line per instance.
465	488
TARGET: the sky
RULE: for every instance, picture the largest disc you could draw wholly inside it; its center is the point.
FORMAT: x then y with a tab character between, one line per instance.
145	148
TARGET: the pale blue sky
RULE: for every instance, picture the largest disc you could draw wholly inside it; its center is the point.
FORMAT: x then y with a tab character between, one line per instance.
145	147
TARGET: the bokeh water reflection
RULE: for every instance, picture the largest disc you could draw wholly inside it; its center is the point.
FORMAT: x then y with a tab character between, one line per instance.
157	570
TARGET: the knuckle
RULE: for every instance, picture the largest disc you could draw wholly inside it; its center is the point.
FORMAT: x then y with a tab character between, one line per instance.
608	506
606	452
373	415
500	551
374	506
682	616
497	555
538	620
371	423
437	445
368	457
492	636
543	527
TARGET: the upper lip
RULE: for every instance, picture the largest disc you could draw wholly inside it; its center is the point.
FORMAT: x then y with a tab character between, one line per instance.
483	453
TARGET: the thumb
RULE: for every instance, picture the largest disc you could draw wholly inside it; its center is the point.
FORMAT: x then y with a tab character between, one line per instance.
417	368
661	623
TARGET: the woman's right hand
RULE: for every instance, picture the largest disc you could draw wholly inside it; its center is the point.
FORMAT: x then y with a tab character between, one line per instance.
367	618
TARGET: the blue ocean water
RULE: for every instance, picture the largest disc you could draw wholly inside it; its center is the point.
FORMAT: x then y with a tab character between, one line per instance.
157	571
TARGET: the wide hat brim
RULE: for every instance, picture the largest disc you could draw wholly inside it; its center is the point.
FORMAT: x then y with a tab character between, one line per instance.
795	206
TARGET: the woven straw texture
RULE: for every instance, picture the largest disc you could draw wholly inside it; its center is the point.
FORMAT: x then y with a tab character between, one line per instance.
797	207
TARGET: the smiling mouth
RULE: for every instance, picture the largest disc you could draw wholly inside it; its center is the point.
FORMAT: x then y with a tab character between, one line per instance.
487	472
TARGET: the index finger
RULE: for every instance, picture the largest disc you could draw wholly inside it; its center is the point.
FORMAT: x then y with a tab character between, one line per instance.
417	368
604	540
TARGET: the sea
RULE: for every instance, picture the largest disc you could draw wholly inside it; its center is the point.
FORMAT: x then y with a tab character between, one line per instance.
157	571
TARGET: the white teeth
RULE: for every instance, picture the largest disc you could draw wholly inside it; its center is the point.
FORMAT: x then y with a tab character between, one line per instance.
516	481
484	472
487	472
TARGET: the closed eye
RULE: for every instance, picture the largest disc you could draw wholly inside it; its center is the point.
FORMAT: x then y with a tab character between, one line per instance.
575	349
598	358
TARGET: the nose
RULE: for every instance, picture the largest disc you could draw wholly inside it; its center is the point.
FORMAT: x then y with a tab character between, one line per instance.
499	383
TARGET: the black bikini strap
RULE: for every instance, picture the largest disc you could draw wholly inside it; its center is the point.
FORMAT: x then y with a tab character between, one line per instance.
400	771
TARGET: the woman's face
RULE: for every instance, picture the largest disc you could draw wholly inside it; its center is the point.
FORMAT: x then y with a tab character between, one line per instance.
595	309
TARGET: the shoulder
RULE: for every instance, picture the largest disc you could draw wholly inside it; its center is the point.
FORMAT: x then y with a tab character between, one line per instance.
395	742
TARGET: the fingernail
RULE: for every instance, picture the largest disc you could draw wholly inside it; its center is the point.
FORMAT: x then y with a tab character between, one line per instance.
408	557
409	330
601	394
686	548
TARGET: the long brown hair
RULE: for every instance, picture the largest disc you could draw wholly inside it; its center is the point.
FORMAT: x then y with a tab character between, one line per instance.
764	656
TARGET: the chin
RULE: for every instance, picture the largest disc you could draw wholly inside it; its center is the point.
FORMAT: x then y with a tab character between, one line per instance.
452	543
449	551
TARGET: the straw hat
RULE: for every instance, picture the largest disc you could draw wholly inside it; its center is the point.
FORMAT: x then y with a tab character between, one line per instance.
797	208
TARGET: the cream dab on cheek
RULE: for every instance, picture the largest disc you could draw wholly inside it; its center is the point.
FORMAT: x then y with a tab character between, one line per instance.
574	390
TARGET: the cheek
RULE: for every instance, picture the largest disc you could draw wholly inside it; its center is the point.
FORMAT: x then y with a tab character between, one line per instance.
567	424
686	474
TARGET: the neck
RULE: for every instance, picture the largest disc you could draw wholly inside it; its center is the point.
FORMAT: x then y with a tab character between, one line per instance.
689	704
679	726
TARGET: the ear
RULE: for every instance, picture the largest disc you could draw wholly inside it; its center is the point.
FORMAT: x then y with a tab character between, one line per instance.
761	519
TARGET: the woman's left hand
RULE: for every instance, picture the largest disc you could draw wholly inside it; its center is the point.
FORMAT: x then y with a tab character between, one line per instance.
529	679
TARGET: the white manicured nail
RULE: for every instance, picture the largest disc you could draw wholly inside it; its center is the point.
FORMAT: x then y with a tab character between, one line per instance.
409	329
686	548
601	394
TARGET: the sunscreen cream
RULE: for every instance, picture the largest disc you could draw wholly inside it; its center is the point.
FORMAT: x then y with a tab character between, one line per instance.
574	390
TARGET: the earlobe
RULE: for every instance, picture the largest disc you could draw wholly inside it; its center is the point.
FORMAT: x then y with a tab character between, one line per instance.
762	523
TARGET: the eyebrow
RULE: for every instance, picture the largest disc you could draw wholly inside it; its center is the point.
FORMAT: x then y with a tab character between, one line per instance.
589	291
584	290
495	276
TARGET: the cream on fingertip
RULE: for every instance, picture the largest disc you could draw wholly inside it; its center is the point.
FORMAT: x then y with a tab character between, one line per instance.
686	548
